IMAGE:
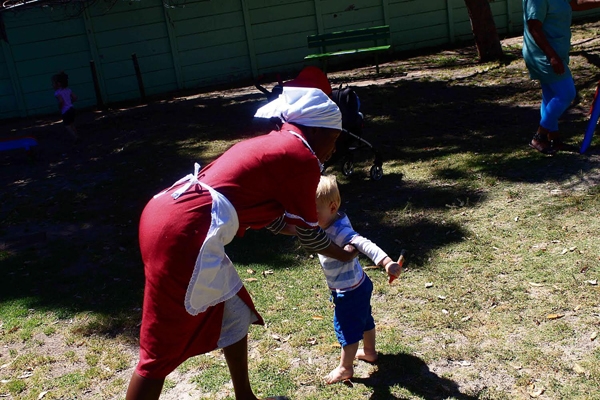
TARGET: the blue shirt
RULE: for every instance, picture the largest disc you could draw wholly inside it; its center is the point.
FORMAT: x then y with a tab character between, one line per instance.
555	16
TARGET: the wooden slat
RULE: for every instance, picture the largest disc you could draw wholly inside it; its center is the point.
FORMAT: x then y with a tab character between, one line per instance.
318	42
346	52
356	32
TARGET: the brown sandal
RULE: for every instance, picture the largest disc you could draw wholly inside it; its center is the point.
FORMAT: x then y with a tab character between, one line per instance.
541	144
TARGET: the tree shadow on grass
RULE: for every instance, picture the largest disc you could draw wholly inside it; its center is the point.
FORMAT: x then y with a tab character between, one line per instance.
88	198
413	374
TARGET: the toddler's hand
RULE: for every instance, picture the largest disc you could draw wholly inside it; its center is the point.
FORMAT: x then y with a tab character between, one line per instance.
349	248
393	270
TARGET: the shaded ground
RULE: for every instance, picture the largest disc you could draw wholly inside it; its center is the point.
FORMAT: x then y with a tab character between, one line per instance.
88	196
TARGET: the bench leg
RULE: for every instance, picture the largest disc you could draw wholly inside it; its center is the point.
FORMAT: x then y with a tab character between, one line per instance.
377	63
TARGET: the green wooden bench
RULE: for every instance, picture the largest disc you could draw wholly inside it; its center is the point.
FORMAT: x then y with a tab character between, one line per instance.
338	43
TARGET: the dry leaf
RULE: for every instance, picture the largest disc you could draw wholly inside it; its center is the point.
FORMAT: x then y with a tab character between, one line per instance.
593	282
5	365
536	391
516	366
41	395
444	311
268	272
516	219
312	341
465	319
565	251
250	271
250	279
572	248
442	297
593	336
535	284
579	369
577	307
318	317
555	316
276	337
429	284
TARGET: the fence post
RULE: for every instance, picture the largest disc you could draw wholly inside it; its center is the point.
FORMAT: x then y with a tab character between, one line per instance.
99	101
138	75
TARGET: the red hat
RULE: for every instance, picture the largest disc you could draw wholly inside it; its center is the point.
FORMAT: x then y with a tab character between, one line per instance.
311	77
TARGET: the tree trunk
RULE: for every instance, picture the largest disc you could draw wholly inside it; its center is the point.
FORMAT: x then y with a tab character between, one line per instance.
484	30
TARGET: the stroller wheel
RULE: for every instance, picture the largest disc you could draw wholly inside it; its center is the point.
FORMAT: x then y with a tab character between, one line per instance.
348	168
376	172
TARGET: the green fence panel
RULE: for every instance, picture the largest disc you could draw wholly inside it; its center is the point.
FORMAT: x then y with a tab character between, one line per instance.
216	72
125	18
41	47
210	55
212	46
340	16
266	15
205	9
8	102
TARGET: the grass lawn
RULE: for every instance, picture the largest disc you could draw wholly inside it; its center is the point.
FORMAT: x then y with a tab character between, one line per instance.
499	298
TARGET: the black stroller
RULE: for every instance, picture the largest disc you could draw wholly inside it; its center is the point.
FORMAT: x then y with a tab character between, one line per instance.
350	140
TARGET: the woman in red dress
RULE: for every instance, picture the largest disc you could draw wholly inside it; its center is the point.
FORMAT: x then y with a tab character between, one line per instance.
194	300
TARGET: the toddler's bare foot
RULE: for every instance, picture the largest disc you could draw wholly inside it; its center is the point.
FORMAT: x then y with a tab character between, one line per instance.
339	374
368	357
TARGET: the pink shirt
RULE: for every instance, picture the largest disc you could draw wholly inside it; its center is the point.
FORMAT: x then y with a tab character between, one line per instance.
65	95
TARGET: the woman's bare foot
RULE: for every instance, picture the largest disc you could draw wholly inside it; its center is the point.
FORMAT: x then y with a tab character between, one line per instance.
339	374
368	357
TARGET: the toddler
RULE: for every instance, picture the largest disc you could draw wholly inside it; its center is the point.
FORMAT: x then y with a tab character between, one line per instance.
65	98
350	287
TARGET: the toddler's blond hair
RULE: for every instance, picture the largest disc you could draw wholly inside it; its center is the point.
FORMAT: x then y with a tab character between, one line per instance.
327	191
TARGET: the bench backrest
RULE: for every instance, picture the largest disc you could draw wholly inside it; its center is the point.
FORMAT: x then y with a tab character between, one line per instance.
355	36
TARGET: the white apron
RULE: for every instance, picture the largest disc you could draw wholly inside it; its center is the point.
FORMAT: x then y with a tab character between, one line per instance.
214	279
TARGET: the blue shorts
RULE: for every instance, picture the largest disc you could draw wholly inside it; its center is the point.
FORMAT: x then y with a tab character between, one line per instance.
352	313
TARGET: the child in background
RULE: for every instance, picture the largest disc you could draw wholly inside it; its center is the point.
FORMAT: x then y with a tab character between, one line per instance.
350	287
65	97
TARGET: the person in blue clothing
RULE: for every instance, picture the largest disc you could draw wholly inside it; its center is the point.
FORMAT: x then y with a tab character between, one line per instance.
350	287
546	45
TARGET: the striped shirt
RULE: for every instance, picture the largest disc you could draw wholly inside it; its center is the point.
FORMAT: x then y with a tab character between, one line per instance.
345	276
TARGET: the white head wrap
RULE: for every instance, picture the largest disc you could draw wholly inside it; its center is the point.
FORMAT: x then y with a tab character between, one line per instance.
303	106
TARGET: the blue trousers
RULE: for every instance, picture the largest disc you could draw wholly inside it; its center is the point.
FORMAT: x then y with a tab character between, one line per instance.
556	98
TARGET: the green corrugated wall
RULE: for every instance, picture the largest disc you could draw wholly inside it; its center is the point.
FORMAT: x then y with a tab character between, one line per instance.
202	42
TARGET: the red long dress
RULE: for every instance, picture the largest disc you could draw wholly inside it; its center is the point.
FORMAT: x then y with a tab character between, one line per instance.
263	178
